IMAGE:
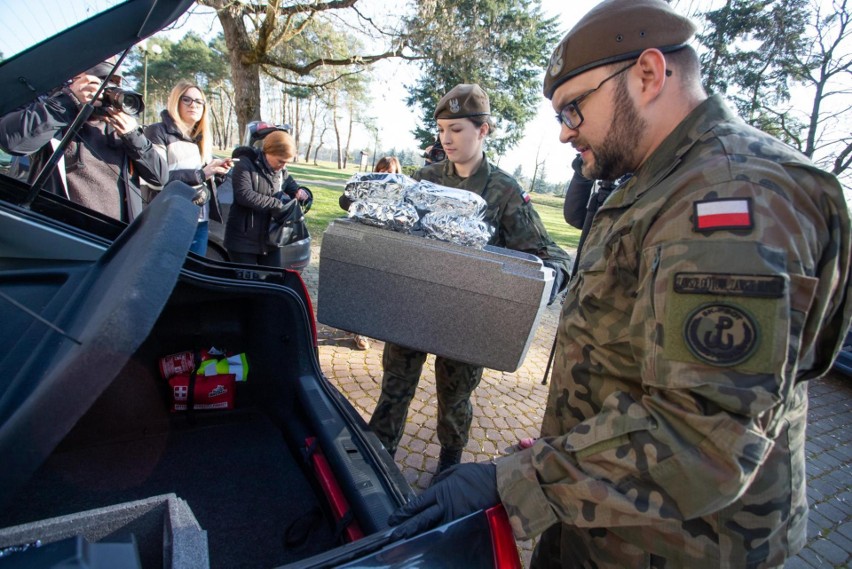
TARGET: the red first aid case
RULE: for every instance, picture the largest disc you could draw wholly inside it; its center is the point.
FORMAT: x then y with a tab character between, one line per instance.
206	392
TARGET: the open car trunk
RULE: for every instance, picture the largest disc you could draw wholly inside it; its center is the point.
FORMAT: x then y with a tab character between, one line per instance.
244	487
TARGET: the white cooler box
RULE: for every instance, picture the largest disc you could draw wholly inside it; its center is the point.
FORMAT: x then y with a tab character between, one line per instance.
475	306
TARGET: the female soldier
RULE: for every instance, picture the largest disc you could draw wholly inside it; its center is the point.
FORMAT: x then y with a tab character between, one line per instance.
183	137
463	117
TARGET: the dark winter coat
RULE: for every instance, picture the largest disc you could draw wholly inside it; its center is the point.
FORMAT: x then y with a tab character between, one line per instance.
254	205
184	159
36	129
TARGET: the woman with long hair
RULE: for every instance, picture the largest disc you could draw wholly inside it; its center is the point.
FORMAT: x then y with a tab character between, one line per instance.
183	137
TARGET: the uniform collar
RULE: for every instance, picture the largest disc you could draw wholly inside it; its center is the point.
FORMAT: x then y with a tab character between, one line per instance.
703	118
475	183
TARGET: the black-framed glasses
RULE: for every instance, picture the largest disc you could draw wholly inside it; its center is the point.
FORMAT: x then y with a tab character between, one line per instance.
570	114
189	100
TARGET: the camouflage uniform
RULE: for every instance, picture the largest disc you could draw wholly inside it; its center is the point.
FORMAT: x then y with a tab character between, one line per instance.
674	431
518	227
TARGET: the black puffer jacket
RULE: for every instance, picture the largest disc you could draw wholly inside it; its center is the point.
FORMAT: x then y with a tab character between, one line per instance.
184	159
254	186
36	129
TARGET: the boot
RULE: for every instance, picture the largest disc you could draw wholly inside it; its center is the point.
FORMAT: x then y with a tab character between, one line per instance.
449	457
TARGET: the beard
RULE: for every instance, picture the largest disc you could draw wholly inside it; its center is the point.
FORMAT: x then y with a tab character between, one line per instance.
616	155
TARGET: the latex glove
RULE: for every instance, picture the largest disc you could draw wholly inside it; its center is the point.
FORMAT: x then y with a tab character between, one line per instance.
455	493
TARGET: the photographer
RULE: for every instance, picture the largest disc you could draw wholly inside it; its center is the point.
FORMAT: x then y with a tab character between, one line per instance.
102	165
434	153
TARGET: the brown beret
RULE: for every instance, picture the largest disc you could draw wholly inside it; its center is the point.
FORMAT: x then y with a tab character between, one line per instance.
463	101
616	30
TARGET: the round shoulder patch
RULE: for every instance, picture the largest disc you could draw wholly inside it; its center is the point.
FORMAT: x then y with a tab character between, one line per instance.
721	334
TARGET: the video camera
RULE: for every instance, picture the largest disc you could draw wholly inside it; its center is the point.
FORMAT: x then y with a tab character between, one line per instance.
437	154
125	100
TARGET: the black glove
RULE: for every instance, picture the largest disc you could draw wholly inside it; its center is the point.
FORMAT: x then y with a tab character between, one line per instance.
577	165
560	281
455	493
202	196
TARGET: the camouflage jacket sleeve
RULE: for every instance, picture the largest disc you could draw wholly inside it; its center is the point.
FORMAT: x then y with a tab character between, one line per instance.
681	349
521	229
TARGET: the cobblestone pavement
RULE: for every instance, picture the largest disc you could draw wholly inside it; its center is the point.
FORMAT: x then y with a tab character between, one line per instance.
509	406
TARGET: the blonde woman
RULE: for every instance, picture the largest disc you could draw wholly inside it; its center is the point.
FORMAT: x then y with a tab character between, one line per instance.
183	137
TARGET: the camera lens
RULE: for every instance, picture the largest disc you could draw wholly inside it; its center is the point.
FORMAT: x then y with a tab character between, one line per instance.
131	103
125	100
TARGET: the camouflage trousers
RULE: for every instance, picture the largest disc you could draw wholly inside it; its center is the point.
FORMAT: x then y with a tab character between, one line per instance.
454	382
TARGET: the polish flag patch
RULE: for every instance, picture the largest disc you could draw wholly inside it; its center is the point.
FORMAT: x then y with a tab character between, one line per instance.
733	213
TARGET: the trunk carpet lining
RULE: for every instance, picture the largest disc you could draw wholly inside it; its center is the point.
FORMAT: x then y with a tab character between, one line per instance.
240	479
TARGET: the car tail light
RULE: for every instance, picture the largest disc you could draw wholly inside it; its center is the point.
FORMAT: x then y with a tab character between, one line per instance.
310	308
502	539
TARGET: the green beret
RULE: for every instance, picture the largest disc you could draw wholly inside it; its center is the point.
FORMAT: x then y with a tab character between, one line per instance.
616	30
463	101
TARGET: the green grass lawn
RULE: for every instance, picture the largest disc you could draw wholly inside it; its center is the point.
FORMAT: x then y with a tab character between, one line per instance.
326	182
549	208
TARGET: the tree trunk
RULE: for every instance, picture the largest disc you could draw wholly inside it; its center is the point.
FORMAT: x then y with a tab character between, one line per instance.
348	141
322	137
312	114
337	137
295	125
245	74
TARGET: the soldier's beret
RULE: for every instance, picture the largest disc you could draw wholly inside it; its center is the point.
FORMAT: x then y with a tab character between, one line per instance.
616	30
463	101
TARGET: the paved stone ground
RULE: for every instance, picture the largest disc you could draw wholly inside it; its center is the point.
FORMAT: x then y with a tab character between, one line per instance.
508	406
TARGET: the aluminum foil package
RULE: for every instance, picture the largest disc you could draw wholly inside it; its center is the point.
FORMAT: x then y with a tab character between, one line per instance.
394	215
377	187
399	203
433	198
456	229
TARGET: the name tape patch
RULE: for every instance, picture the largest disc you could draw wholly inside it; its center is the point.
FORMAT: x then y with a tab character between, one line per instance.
723	284
730	213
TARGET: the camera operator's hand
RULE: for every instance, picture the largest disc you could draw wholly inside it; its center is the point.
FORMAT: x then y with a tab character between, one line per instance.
121	122
84	87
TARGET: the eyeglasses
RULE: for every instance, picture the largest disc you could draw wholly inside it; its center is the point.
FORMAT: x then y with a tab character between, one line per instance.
570	114
189	100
